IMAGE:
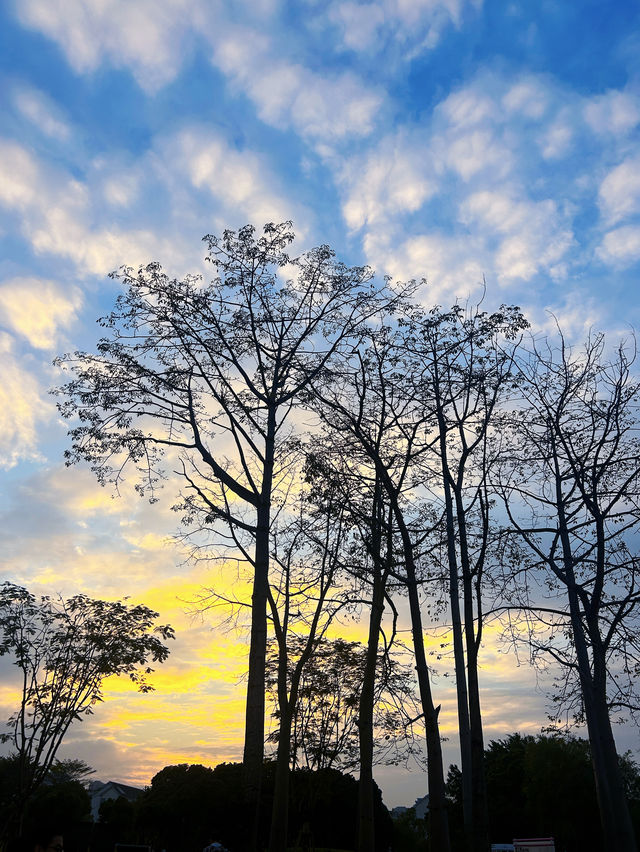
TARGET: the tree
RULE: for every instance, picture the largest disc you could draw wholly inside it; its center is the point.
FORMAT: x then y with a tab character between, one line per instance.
187	806
367	401
459	365
570	480
303	602
202	379
524	776
357	488
327	721
65	649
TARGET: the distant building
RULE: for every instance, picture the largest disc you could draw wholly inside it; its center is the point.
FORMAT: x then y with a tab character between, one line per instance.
102	791
420	806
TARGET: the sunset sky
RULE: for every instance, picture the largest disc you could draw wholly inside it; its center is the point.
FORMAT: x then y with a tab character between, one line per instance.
446	139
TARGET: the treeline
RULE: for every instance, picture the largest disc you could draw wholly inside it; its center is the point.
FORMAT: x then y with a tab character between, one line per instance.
350	449
537	786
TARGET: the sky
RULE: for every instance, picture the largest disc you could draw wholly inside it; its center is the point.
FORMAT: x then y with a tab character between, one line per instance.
458	141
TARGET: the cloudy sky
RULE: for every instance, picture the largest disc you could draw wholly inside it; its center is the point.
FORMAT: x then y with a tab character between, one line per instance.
446	139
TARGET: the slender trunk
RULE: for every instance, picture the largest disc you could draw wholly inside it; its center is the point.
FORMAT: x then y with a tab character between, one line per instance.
466	758
253	755
366	831
280	810
612	801
438	820
480	837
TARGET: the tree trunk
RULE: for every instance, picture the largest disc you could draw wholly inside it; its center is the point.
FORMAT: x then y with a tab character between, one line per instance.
617	827
253	756
480	825
466	757
612	801
366	830
280	810
438	837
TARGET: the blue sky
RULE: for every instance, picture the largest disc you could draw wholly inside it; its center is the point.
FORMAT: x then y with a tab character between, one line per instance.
442	139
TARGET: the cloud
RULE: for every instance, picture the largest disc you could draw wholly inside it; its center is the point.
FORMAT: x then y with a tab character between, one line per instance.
491	183
614	113
147	37
397	177
621	247
241	182
150	41
40	110
619	194
321	107
452	266
414	26
531	236
38	309
55	213
23	410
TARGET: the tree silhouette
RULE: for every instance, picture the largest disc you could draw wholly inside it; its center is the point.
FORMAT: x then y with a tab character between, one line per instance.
65	649
201	379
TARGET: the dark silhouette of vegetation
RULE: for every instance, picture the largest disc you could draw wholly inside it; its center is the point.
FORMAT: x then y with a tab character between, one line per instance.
203	379
543	786
189	806
64	649
570	478
422	421
60	804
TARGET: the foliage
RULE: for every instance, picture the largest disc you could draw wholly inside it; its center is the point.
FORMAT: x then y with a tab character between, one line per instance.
410	832
543	786
65	649
61	801
325	726
188	806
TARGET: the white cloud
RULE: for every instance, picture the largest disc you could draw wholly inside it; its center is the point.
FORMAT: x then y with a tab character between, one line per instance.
241	182
359	23
146	36
149	39
532	236
319	107
40	110
614	113
18	176
476	151
621	247
556	140
619	194
56	216
395	178
22	409
413	25
527	97
38	309
452	266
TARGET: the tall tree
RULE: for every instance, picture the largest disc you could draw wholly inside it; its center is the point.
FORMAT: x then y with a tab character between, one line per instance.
571	483
460	364
303	602
64	650
349	475
368	402
202	379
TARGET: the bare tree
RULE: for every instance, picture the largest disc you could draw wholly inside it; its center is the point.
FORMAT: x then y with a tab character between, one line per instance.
459	366
570	479
367	400
198	381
